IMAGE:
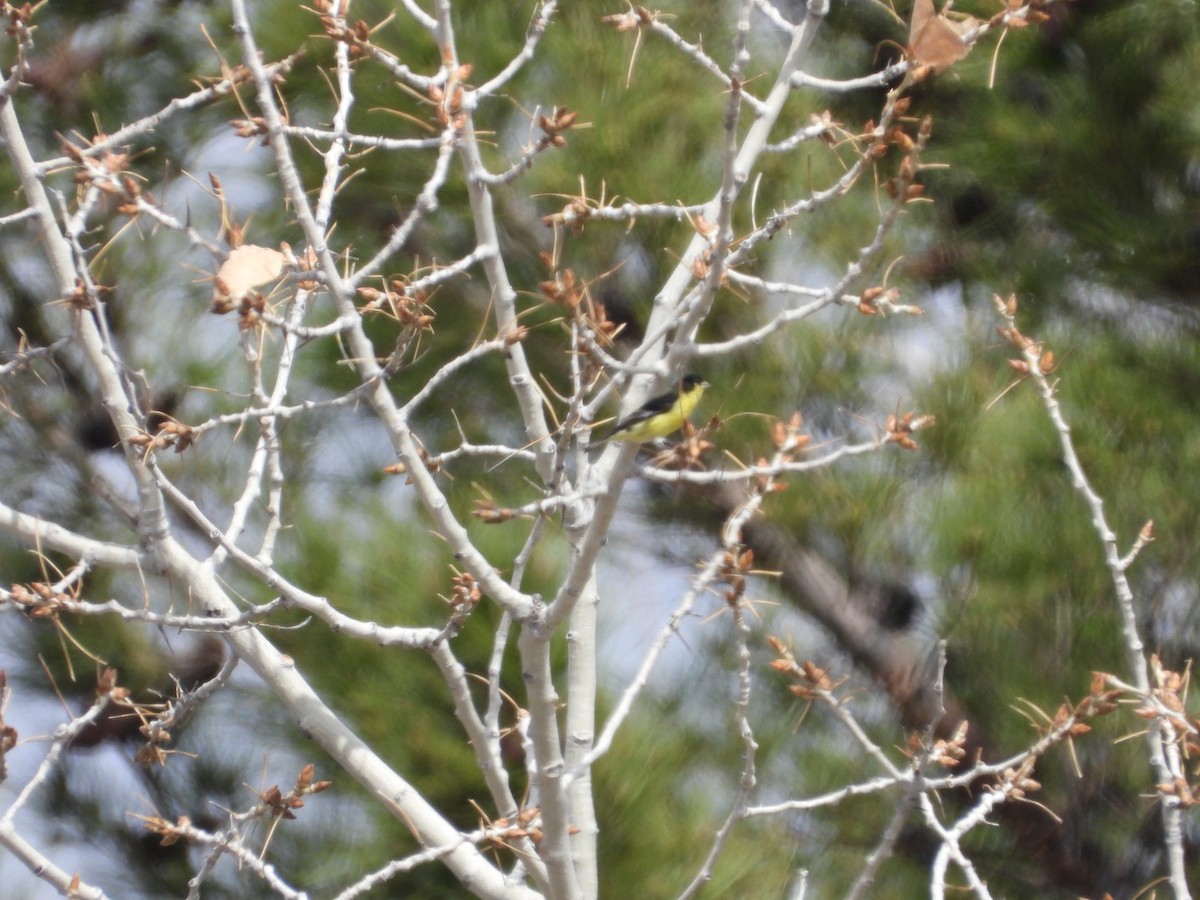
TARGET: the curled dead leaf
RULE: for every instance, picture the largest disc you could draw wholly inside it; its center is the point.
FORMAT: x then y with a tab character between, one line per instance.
246	268
935	40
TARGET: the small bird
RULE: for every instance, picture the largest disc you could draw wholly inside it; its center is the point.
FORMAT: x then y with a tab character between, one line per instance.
658	416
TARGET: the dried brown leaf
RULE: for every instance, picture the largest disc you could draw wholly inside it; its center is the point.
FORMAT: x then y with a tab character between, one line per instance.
247	268
935	40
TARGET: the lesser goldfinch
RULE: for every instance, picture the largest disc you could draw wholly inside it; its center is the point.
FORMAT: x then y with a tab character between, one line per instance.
658	416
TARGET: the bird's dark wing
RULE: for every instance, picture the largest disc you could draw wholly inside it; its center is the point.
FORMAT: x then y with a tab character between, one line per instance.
647	410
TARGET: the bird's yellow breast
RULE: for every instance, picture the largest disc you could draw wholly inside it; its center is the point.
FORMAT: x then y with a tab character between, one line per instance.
663	423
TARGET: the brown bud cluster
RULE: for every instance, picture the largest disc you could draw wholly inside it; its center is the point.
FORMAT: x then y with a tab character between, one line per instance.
560	119
900	429
809	681
410	308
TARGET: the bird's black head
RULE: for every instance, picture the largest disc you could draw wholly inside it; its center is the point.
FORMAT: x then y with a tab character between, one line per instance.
690	382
